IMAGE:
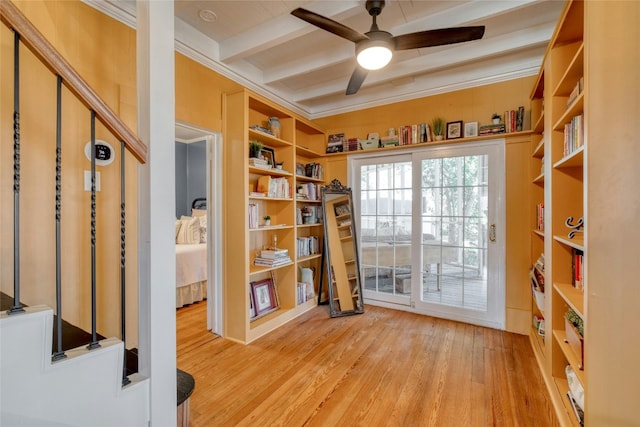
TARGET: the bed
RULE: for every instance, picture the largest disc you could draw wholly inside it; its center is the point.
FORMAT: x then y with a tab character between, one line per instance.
191	255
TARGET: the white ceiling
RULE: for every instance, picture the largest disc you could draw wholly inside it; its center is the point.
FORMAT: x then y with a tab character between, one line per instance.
262	46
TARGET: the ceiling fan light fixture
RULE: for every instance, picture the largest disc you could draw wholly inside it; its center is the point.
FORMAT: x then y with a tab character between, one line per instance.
373	54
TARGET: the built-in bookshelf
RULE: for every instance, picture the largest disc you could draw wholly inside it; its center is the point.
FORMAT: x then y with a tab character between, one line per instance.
537	173
277	190
558	208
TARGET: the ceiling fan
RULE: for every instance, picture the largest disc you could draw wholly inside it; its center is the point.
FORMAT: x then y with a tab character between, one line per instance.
374	48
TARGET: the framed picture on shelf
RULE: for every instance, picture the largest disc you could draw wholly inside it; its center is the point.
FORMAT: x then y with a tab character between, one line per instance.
454	130
269	155
252	310
264	295
335	143
470	129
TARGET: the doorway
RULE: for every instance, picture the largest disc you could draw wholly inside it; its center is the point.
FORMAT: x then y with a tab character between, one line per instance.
431	230
213	176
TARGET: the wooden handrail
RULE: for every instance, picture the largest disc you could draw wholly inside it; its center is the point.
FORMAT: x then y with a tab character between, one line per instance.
40	46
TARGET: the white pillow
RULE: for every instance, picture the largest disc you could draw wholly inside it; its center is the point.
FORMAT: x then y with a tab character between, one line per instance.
189	230
198	212
203	228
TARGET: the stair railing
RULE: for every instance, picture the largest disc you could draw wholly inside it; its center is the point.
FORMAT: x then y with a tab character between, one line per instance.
26	34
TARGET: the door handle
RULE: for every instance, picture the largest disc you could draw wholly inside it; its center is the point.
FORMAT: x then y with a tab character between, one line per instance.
492	233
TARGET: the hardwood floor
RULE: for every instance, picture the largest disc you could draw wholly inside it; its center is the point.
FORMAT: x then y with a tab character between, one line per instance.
381	368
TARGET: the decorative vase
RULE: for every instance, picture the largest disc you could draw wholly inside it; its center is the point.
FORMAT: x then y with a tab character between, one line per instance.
438	137
274	126
496	121
267	222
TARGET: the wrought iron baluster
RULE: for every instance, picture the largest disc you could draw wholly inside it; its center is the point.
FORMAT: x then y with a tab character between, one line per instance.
123	306
59	354
17	306
94	338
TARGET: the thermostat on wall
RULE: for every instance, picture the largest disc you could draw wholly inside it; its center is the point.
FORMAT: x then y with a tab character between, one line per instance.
104	152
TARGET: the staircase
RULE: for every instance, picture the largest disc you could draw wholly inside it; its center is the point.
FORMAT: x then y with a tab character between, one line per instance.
83	389
49	377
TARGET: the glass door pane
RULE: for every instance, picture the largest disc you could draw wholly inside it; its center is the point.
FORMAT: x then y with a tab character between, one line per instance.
454	218
386	200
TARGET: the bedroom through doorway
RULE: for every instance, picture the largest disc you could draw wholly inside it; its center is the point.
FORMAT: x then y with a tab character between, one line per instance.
198	225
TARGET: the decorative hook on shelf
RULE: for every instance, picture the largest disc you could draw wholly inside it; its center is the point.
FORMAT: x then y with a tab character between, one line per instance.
576	228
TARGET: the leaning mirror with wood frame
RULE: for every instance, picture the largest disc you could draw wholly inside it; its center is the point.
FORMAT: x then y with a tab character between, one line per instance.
341	251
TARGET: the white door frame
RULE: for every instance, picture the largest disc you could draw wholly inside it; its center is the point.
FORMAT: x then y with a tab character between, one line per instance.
496	311
214	218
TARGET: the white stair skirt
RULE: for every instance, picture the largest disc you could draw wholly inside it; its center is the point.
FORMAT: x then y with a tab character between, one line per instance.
84	389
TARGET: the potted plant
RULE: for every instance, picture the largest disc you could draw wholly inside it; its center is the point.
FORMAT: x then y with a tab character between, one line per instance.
267	220
495	118
437	126
255	148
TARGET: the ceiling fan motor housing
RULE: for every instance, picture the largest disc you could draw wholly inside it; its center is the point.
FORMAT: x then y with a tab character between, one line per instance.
374	7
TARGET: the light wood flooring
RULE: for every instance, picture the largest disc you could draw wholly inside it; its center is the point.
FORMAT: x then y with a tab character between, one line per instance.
380	368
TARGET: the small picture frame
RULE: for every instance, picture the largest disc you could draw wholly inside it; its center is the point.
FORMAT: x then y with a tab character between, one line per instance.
335	144
454	129
269	155
252	310
470	129
265	299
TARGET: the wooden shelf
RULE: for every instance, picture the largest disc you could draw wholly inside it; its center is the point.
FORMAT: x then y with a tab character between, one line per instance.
538	152
298	142
524	133
268	139
572	110
271	171
308	258
562	386
254	269
573	359
576	243
572	160
308	179
306	152
573	297
573	74
539	179
564	194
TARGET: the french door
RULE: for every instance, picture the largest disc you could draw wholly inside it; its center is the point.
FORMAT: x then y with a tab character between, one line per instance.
431	230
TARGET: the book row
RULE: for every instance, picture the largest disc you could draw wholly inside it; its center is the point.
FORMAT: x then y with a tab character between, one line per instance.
273	187
307	246
307	191
540	217
573	135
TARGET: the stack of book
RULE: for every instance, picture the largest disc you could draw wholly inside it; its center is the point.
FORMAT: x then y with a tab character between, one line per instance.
351	144
492	129
259	163
272	258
